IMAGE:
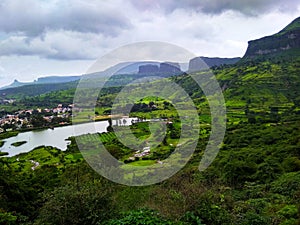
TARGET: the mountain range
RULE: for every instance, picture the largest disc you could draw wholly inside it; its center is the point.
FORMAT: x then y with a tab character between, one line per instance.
43	80
285	44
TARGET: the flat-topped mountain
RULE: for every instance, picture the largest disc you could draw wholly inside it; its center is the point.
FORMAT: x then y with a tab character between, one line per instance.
165	67
287	41
201	63
57	79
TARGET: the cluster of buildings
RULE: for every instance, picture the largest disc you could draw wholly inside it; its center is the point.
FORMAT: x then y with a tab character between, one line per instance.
144	152
140	153
23	118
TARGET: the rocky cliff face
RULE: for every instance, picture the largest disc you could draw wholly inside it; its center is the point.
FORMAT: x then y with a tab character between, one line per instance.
57	79
148	68
166	67
283	42
169	67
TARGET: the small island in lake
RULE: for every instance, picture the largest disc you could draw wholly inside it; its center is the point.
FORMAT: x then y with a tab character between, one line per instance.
19	143
3	153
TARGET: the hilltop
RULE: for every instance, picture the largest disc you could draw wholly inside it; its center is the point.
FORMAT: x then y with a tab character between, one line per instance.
284	43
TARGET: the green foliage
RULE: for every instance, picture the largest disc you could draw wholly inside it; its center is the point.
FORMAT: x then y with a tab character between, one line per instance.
73	204
288	211
8	134
7	218
138	217
288	184
191	218
254	218
212	209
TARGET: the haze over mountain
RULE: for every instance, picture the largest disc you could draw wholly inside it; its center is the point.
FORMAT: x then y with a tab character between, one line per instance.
43	80
130	68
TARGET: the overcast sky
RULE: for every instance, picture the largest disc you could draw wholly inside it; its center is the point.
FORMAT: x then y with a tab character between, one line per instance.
64	37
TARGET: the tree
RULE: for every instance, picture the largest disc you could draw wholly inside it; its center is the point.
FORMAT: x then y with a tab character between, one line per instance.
89	204
142	216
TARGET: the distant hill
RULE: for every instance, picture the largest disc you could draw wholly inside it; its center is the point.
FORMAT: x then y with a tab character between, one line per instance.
284	43
201	63
15	83
43	80
126	72
56	79
35	89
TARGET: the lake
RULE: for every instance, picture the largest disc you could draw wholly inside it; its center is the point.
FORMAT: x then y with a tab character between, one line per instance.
53	137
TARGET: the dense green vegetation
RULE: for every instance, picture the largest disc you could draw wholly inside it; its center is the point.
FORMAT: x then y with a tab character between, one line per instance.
256	177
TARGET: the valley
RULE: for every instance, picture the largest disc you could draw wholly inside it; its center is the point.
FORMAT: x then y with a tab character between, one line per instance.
254	179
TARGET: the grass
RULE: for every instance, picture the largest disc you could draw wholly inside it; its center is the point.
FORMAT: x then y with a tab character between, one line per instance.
8	134
142	163
43	155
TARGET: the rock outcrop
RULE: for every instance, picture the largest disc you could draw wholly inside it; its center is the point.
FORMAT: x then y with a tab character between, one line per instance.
169	67
162	68
148	68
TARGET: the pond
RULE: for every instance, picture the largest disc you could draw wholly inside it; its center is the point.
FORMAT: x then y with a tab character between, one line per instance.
52	137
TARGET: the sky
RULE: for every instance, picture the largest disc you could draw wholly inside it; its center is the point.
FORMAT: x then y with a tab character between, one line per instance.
65	37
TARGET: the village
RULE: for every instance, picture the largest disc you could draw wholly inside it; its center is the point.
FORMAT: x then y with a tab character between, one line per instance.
34	118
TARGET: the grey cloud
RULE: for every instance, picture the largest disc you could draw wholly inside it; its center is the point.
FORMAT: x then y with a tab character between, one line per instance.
61	45
85	29
32	17
253	7
248	7
20	46
59	29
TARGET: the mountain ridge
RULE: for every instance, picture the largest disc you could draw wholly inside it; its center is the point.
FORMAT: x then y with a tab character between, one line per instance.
283	43
42	80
